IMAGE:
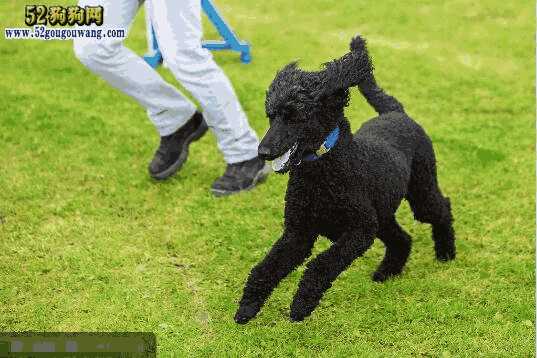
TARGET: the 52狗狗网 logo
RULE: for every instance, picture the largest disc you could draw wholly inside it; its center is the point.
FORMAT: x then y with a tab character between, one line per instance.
62	16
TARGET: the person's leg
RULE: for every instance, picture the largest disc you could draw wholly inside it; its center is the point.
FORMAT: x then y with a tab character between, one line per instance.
173	115
123	69
179	33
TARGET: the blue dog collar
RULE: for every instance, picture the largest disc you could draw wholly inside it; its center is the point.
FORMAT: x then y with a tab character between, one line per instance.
328	144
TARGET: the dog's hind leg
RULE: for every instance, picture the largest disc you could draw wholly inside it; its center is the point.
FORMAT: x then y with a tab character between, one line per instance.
398	244
287	253
428	203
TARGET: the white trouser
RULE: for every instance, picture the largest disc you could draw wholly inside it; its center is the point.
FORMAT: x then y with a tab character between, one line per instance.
178	29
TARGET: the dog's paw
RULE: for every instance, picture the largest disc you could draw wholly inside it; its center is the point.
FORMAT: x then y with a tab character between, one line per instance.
301	308
379	276
298	314
297	317
446	256
384	273
246	312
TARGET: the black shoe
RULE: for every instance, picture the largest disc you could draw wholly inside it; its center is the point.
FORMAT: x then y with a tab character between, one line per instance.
173	150
241	176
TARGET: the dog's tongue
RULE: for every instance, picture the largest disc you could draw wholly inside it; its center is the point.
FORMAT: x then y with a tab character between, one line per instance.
280	163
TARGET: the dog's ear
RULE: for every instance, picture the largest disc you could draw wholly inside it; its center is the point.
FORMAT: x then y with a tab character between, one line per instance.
347	71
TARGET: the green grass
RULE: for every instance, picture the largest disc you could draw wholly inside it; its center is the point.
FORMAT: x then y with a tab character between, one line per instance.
89	243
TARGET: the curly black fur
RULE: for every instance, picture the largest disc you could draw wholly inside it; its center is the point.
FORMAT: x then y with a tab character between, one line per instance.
350	194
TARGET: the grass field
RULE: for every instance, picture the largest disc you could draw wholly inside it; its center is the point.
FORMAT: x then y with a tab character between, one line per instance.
89	243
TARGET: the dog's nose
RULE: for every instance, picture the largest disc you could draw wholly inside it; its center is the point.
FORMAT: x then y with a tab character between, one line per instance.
263	152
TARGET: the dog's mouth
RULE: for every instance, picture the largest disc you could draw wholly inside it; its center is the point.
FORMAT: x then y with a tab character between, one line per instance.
283	163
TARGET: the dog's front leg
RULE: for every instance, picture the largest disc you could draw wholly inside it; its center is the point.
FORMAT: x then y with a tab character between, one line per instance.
326	267
286	254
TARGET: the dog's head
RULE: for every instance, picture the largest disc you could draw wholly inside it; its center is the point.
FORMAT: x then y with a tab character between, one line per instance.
303	107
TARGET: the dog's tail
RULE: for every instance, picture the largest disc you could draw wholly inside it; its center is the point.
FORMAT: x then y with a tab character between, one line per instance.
375	96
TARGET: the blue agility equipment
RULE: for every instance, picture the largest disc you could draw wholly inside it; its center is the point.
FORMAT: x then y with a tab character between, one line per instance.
231	40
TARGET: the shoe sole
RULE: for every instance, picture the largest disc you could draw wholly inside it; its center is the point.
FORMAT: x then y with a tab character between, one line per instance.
260	177
172	169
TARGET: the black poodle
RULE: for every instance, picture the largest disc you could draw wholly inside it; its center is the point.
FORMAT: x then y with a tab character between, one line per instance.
341	186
